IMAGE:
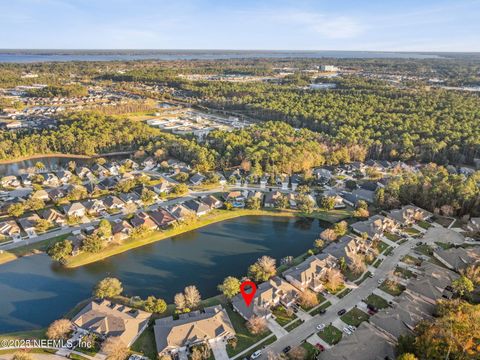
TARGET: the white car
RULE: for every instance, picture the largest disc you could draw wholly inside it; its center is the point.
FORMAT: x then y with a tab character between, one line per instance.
256	354
320	327
346	331
380	281
351	328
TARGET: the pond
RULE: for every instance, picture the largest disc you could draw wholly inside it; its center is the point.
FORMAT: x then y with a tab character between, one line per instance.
34	291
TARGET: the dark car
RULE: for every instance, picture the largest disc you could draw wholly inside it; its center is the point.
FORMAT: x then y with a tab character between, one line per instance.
341	312
320	347
322	311
372	307
287	349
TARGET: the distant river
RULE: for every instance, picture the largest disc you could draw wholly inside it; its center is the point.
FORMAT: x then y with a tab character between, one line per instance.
34	291
29	56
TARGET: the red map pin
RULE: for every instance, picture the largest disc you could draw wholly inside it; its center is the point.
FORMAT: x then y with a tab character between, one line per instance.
252	289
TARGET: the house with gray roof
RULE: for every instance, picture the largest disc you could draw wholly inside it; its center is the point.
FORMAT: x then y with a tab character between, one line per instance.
197	327
409	215
311	273
374	227
458	258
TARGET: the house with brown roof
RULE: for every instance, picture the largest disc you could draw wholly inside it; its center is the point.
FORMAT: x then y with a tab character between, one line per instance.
162	218
54	216
121	230
311	273
212	202
75	209
270	293
409	215
142	219
180	212
375	226
211	325
107	319
9	229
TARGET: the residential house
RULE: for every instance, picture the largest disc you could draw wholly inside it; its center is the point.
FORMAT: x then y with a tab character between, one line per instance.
364	194
56	194
142	219
28	223
271	198
163	187
270	293
77	241
26	179
408	215
349	198
335	194
100	171
121	230
149	163
94	206
197	179
433	283
180	212
210	326
458	259
51	180
130	198
108	319
112	202
112	168
108	183
9	229
212	202
311	273
263	182
40	195
374	227
162	218
199	208
54	216
10	181
75	209
64	176
82	171
366	343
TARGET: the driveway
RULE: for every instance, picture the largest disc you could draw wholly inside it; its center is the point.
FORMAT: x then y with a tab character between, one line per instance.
219	350
276	328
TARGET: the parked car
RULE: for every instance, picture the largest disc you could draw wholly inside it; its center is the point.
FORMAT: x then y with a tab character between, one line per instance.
351	328
419	243
320	327
322	311
380	281
341	312
320	347
372	307
370	275
287	349
371	313
256	354
347	331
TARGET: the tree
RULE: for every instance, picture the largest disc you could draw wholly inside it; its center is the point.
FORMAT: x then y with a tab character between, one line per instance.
39	165
281	202
462	285
93	243
59	329
148	197
180	302
361	213
328	202
60	250
22	356
298	353
472	272
230	287
115	349
200	352
42	225
155	305
328	235
35	204
101	161
357	263
253	203
108	288
192	296
340	228
104	230
16	210
72	165
319	244
304	189
407	356
362	204
179	189
334	279
305	204
257	325
263	269
308	299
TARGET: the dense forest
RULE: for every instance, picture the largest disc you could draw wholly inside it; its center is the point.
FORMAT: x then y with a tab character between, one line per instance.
397	124
74	90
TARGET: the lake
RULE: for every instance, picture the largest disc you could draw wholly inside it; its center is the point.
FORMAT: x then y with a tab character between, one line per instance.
34	291
30	56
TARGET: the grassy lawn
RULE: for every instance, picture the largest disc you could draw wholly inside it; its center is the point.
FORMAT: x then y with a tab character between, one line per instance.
351	276
344	292
321	307
281	316
424	224
33	334
391	237
394	290
293	325
145	344
411	231
403	273
377	263
444	221
377	301
410	260
14	254
264	343
244	338
331	335
443	245
354	317
388	251
381	247
77	357
424	249
312	351
363	278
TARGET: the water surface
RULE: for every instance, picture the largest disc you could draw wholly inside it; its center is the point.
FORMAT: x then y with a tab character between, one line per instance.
34	291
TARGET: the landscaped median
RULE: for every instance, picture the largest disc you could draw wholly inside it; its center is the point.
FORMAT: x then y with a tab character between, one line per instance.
211	218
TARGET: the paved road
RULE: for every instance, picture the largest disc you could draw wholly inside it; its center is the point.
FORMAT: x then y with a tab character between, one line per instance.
299	334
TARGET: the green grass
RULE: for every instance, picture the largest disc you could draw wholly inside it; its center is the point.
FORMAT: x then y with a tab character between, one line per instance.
381	247
354	317
363	278
377	263
403	273
411	231
244	338
377	301
321	307
396	290
293	325
41	246
443	245
281	316
424	224
312	351
391	237
344	292
145	344
350	275
331	335
424	249
77	357
32	334
264	343
388	251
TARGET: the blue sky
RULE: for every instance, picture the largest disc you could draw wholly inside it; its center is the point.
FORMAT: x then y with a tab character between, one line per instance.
388	25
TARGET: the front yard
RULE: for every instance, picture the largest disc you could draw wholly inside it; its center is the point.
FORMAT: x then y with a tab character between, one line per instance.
410	260
354	317
403	273
282	315
391	236
391	287
424	224
331	335
377	301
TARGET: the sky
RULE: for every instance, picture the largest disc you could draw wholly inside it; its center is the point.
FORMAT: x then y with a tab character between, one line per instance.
387	25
